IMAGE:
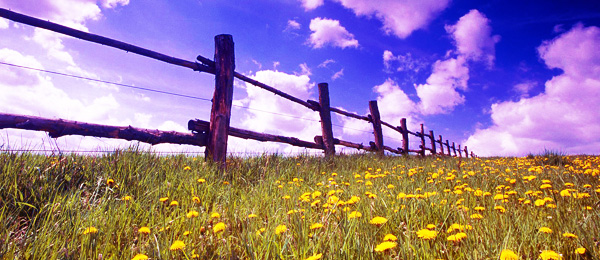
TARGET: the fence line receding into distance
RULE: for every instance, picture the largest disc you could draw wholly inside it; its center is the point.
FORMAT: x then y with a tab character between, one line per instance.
214	133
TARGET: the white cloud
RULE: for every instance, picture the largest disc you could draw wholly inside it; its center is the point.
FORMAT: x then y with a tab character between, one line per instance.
114	3
565	116
473	37
439	94
523	88
305	70
400	18
330	32
292	25
311	4
326	63
3	23
338	74
402	62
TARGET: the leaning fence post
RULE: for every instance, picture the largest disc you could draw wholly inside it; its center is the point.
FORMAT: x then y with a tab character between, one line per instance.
404	136
422	135
454	148
433	150
325	114
448	146
459	151
376	120
466	152
216	148
441	145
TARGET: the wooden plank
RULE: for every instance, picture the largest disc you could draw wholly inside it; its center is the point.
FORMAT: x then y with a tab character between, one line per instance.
466	152
348	114
453	148
319	140
448	147
459	151
377	131
275	91
199	126
432	138
422	136
60	127
325	114
216	148
404	136
20	18
441	145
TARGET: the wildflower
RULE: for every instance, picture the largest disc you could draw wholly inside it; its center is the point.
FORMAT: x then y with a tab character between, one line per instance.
177	245
457	238
315	203
479	208
508	255
126	198
580	251
476	216
187	168
500	208
316	194
427	234
192	214
219	227
201	180
286	197
353	200
315	257
90	230
390	237
545	186
110	182
144	230
539	202
569	235
550	255
378	221
354	214
186	233
430	226
163	199
260	231
280	229
384	246
316	226
174	203
390	186
252	216
565	193
140	257
196	200
225	183
215	215
546	230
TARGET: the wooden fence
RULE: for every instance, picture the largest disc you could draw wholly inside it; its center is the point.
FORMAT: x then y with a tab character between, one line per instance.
214	133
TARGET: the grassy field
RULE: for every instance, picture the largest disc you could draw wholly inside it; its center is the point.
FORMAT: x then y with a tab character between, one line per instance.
136	205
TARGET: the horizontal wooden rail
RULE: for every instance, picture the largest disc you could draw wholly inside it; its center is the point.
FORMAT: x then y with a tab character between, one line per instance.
203	126
369	148
60	127
275	91
101	40
348	114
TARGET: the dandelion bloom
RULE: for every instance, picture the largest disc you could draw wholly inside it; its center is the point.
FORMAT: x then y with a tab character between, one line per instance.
196	200
219	227
458	237
315	257
90	230
354	214
546	230
550	255
110	182
140	257
260	231
565	193
280	229
177	245
569	235
187	168
163	199
427	234
127	198
378	221
508	255
316	226
201	180
187	233
476	216
479	208
430	226
539	202
144	230
500	209
215	215
174	203
390	237
384	246
192	214
252	216
580	251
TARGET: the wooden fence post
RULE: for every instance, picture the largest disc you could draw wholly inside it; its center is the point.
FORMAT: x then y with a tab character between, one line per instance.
325	114
216	148
466	152
422	135
453	148
459	151
441	145
404	136
377	131
433	150
448	146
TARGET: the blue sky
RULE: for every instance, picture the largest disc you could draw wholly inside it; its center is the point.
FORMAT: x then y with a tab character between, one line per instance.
503	77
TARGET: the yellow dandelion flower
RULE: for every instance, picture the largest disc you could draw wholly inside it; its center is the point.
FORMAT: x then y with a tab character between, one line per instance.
260	231
354	214
476	216
479	208
508	255
280	229
127	198
286	197
252	215
219	227
315	257
192	214
201	180
110	182
427	234
390	186
187	168
430	226
384	246
390	237
90	230
457	237
144	230
163	199
539	202
565	193
174	203
186	233
545	186
316	226
215	215
378	221
580	251
196	200
140	257
177	245
500	209
569	235
225	183
550	255
546	230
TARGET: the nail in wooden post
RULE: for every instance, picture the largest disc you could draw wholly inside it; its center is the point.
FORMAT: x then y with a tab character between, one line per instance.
441	145
376	120
459	151
216	148
326	120
466	152
422	141
454	148
448	146
404	136
433	150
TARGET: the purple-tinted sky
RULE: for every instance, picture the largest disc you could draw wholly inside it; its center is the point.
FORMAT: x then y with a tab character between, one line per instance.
503	77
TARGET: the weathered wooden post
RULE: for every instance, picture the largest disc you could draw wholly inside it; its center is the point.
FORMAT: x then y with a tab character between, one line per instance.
453	148
441	145
325	114
448	146
376	121
466	152
216	148
433	150
422	135
459	151
404	136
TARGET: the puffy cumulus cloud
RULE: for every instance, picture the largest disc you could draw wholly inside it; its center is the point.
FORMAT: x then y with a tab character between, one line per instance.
3	23
271	114
564	117
292	25
473	37
402	62
439	94
330	32
114	3
400	18
311	4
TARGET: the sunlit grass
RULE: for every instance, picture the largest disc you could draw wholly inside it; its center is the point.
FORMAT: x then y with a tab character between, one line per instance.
133	204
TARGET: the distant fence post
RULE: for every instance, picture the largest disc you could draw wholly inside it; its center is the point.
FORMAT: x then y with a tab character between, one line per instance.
220	114
459	151
454	148
448	147
441	145
404	136
433	150
422	135
376	120
466	152
325	114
